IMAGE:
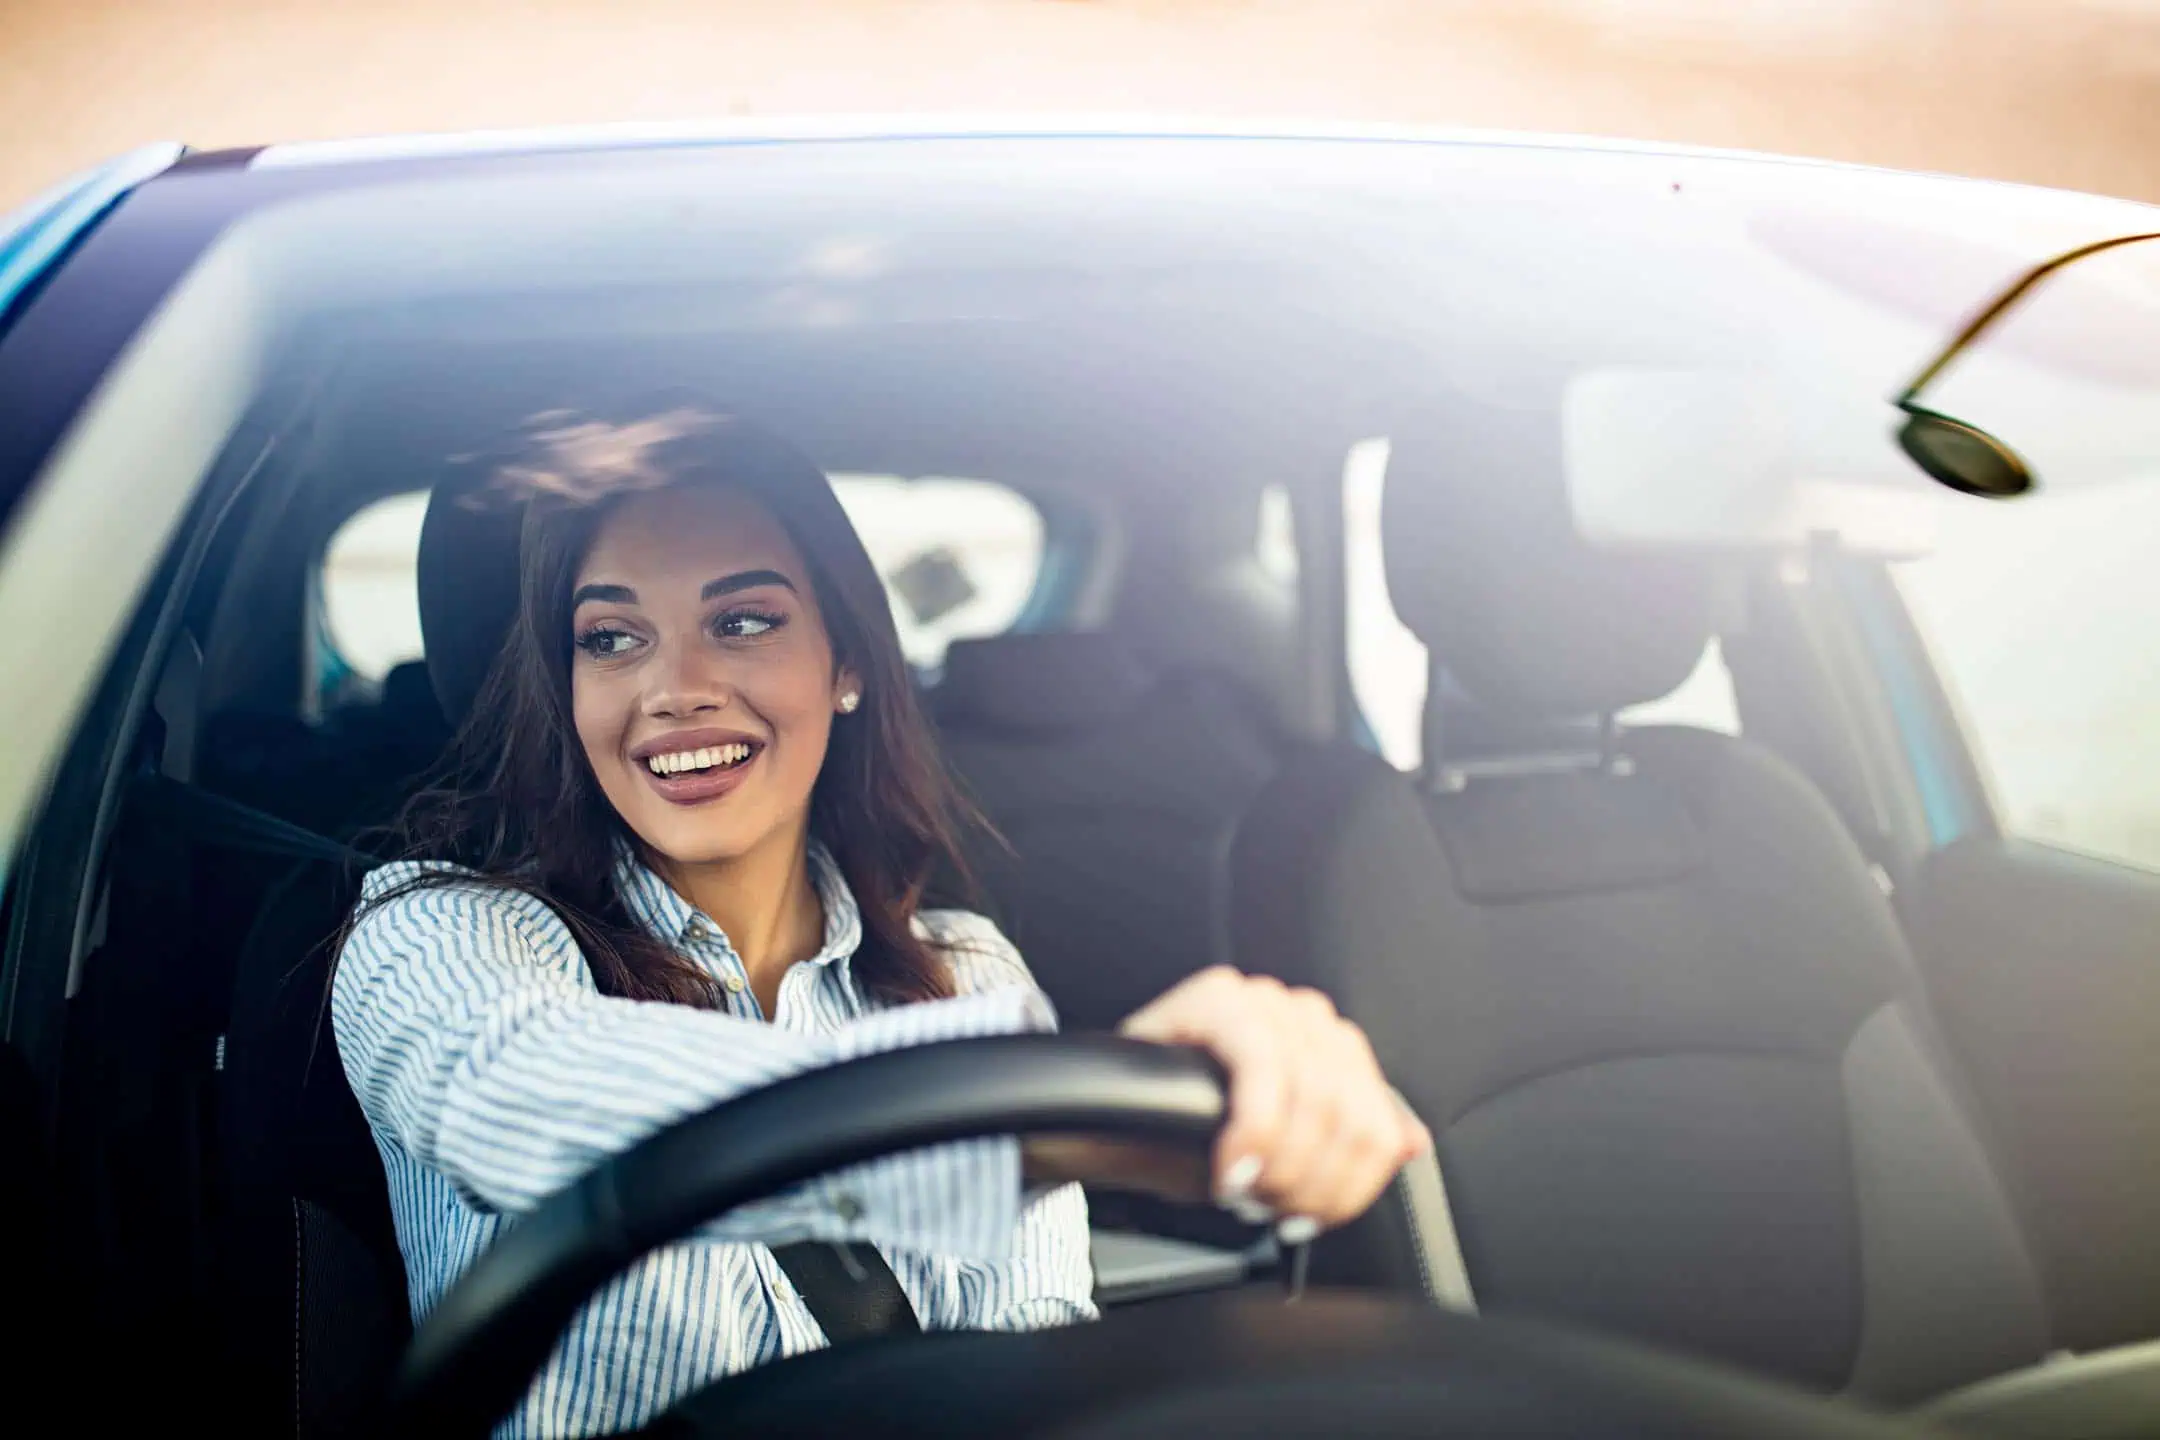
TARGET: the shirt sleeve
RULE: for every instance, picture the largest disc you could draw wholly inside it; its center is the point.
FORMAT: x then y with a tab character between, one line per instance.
1047	1278
471	1033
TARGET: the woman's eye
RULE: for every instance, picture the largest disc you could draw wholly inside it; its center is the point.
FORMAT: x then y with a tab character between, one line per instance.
604	644
747	624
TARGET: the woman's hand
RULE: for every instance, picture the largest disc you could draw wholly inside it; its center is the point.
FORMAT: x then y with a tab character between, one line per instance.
1314	1134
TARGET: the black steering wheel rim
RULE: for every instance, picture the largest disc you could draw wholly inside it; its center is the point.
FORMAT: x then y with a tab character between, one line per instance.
481	1346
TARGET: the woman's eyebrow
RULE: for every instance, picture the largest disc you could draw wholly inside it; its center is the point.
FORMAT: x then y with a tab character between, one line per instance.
744	580
606	594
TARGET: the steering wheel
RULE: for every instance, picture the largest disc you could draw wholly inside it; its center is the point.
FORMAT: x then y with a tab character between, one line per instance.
1232	1362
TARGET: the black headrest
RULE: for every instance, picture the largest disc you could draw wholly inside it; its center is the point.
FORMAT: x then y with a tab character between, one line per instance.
468	582
1038	684
1484	563
408	693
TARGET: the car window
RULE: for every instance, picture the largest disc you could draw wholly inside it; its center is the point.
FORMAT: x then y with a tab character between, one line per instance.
1388	665
960	559
2040	617
370	594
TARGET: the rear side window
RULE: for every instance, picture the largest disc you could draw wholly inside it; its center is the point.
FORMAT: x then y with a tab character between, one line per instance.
960	560
370	593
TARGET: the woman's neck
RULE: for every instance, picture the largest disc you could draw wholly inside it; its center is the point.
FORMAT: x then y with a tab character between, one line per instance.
766	905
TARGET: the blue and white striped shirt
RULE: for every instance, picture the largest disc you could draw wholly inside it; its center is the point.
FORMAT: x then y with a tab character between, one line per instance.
493	1073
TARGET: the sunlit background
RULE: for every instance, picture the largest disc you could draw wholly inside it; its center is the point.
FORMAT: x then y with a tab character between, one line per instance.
2062	92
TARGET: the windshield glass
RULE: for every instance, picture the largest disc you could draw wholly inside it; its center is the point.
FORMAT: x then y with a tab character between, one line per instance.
2041	611
1718	349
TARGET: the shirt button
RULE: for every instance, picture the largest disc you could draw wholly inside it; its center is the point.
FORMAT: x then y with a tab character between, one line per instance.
781	1292
848	1208
734	984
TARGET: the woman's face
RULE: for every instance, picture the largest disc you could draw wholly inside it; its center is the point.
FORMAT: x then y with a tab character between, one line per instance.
702	679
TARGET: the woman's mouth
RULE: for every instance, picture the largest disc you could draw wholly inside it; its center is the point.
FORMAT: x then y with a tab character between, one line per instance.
694	776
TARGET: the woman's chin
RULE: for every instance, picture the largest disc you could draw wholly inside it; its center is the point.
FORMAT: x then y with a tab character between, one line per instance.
698	848
693	839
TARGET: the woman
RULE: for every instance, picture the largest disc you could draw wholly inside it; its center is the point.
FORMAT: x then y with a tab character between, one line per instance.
695	806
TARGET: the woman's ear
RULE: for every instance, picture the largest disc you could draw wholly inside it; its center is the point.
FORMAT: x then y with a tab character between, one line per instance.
847	691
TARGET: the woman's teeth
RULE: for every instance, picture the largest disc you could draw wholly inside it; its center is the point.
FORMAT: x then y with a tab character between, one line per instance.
706	759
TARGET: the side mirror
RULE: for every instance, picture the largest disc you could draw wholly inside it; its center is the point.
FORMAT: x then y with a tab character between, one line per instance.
1963	457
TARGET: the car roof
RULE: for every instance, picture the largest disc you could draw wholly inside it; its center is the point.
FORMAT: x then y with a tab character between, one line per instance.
781	129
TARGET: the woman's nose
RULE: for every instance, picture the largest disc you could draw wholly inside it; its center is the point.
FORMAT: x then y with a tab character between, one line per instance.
686	680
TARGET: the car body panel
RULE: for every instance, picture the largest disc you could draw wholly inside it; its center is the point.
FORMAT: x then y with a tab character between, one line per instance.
35	236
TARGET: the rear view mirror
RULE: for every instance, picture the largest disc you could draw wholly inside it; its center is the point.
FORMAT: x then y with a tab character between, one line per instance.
1963	457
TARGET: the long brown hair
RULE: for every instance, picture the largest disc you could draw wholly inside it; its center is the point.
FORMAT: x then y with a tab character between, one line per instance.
516	803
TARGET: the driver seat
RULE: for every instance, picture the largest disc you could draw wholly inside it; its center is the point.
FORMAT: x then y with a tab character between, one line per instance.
315	1302
1640	982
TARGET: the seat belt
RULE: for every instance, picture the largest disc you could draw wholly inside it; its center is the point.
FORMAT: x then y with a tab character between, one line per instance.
213	820
1423	1193
848	1289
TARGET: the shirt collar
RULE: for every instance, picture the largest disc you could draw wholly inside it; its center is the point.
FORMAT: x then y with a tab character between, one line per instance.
654	904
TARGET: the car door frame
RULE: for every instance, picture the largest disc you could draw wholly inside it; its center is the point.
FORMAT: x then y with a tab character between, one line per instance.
61	345
2055	1027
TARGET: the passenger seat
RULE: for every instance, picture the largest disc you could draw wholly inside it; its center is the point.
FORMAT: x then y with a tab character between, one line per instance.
1639	982
1118	790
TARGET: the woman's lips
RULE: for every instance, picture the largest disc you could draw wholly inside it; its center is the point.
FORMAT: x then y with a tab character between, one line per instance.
696	787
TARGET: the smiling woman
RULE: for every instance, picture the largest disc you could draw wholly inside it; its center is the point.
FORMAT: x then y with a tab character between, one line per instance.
687	689
677	853
665	596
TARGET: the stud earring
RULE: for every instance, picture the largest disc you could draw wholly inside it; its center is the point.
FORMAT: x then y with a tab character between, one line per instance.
848	702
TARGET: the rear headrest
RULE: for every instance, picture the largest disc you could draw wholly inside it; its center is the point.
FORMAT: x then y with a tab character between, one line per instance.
1485	565
1038	684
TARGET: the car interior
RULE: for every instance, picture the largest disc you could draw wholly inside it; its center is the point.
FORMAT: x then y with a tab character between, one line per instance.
1727	1036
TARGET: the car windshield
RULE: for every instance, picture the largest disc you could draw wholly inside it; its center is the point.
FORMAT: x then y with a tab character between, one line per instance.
1718	354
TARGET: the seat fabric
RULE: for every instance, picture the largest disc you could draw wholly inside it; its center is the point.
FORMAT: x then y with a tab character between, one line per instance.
314	1284
1650	999
1117	793
311	1283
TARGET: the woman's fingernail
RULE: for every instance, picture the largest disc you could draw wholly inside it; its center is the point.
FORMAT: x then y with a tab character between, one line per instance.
1238	1180
1234	1192
1297	1230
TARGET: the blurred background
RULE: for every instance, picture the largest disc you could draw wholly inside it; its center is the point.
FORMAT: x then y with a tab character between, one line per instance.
2058	92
